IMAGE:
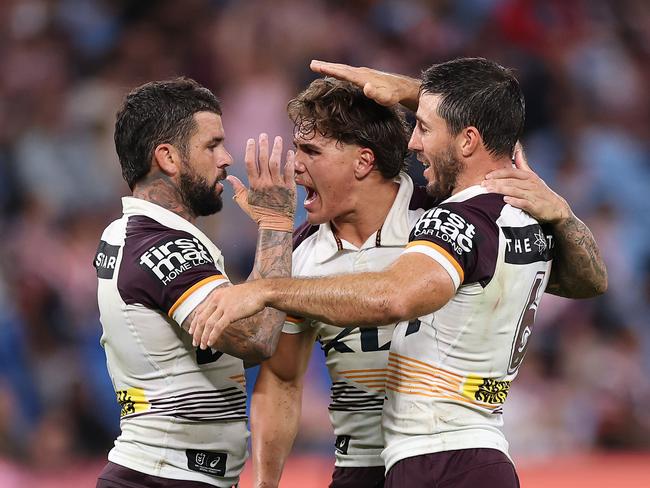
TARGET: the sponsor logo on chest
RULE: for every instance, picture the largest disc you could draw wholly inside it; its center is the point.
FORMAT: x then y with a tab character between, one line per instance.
169	259
448	227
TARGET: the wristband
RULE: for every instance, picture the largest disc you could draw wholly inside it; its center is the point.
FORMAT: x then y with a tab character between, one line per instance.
265	218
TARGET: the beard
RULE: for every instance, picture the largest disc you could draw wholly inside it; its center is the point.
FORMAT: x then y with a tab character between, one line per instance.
198	195
446	168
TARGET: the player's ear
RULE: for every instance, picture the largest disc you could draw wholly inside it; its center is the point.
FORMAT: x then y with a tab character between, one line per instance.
364	163
167	158
469	140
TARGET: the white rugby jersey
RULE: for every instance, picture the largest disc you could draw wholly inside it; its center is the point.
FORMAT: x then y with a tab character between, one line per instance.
356	359
449	372
183	410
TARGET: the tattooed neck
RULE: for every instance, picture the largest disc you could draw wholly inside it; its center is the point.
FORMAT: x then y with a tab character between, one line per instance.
159	189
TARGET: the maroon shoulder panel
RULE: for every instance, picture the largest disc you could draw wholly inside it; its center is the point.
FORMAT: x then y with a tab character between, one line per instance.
159	264
303	232
421	199
467	231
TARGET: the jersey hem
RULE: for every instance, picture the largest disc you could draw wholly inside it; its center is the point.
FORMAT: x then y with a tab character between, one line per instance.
428	444
128	462
355	461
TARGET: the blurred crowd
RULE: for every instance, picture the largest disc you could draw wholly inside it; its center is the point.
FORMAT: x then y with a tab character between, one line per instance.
66	64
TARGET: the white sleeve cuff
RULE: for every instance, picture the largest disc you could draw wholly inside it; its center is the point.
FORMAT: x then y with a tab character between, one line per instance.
295	327
440	258
193	300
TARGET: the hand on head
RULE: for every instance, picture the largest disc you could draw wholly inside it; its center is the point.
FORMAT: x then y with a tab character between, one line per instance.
383	88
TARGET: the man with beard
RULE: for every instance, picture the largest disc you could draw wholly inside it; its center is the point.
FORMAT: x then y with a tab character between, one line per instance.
465	290
360	207
183	417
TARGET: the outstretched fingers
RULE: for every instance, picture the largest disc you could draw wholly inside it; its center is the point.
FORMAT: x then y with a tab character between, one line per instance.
250	159
196	329
521	203
216	331
202	312
290	168
513	190
210	324
275	160
263	157
236	183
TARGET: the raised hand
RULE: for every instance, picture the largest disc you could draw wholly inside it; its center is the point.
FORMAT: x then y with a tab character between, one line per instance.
525	190
271	202
384	88
271	199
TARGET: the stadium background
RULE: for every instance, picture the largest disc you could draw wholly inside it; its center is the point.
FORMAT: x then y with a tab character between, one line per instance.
578	413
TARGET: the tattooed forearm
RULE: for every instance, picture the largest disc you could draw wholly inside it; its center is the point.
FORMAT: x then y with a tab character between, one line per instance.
158	188
255	338
578	269
273	255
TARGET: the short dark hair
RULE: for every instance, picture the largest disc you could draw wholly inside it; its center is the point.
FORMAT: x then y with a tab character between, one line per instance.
159	112
339	110
480	93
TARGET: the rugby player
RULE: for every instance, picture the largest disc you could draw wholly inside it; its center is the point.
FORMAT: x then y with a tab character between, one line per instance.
365	216
183	417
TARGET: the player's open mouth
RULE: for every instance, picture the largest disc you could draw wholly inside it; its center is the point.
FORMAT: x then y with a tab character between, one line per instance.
425	163
311	197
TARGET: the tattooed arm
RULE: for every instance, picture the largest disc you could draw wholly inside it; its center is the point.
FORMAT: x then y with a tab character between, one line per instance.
413	286
270	201
255	338
578	269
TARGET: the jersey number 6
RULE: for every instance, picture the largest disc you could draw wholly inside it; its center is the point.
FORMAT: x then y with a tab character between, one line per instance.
525	326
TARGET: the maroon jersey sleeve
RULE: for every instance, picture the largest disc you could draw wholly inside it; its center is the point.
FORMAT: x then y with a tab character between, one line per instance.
462	236
161	266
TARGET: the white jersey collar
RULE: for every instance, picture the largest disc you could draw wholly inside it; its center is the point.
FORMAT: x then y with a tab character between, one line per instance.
466	194
138	206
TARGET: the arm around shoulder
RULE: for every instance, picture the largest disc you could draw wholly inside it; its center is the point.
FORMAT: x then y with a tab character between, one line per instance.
412	286
578	269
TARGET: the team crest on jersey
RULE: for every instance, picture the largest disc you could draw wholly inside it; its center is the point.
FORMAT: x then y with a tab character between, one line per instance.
486	390
169	258
132	400
447	226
